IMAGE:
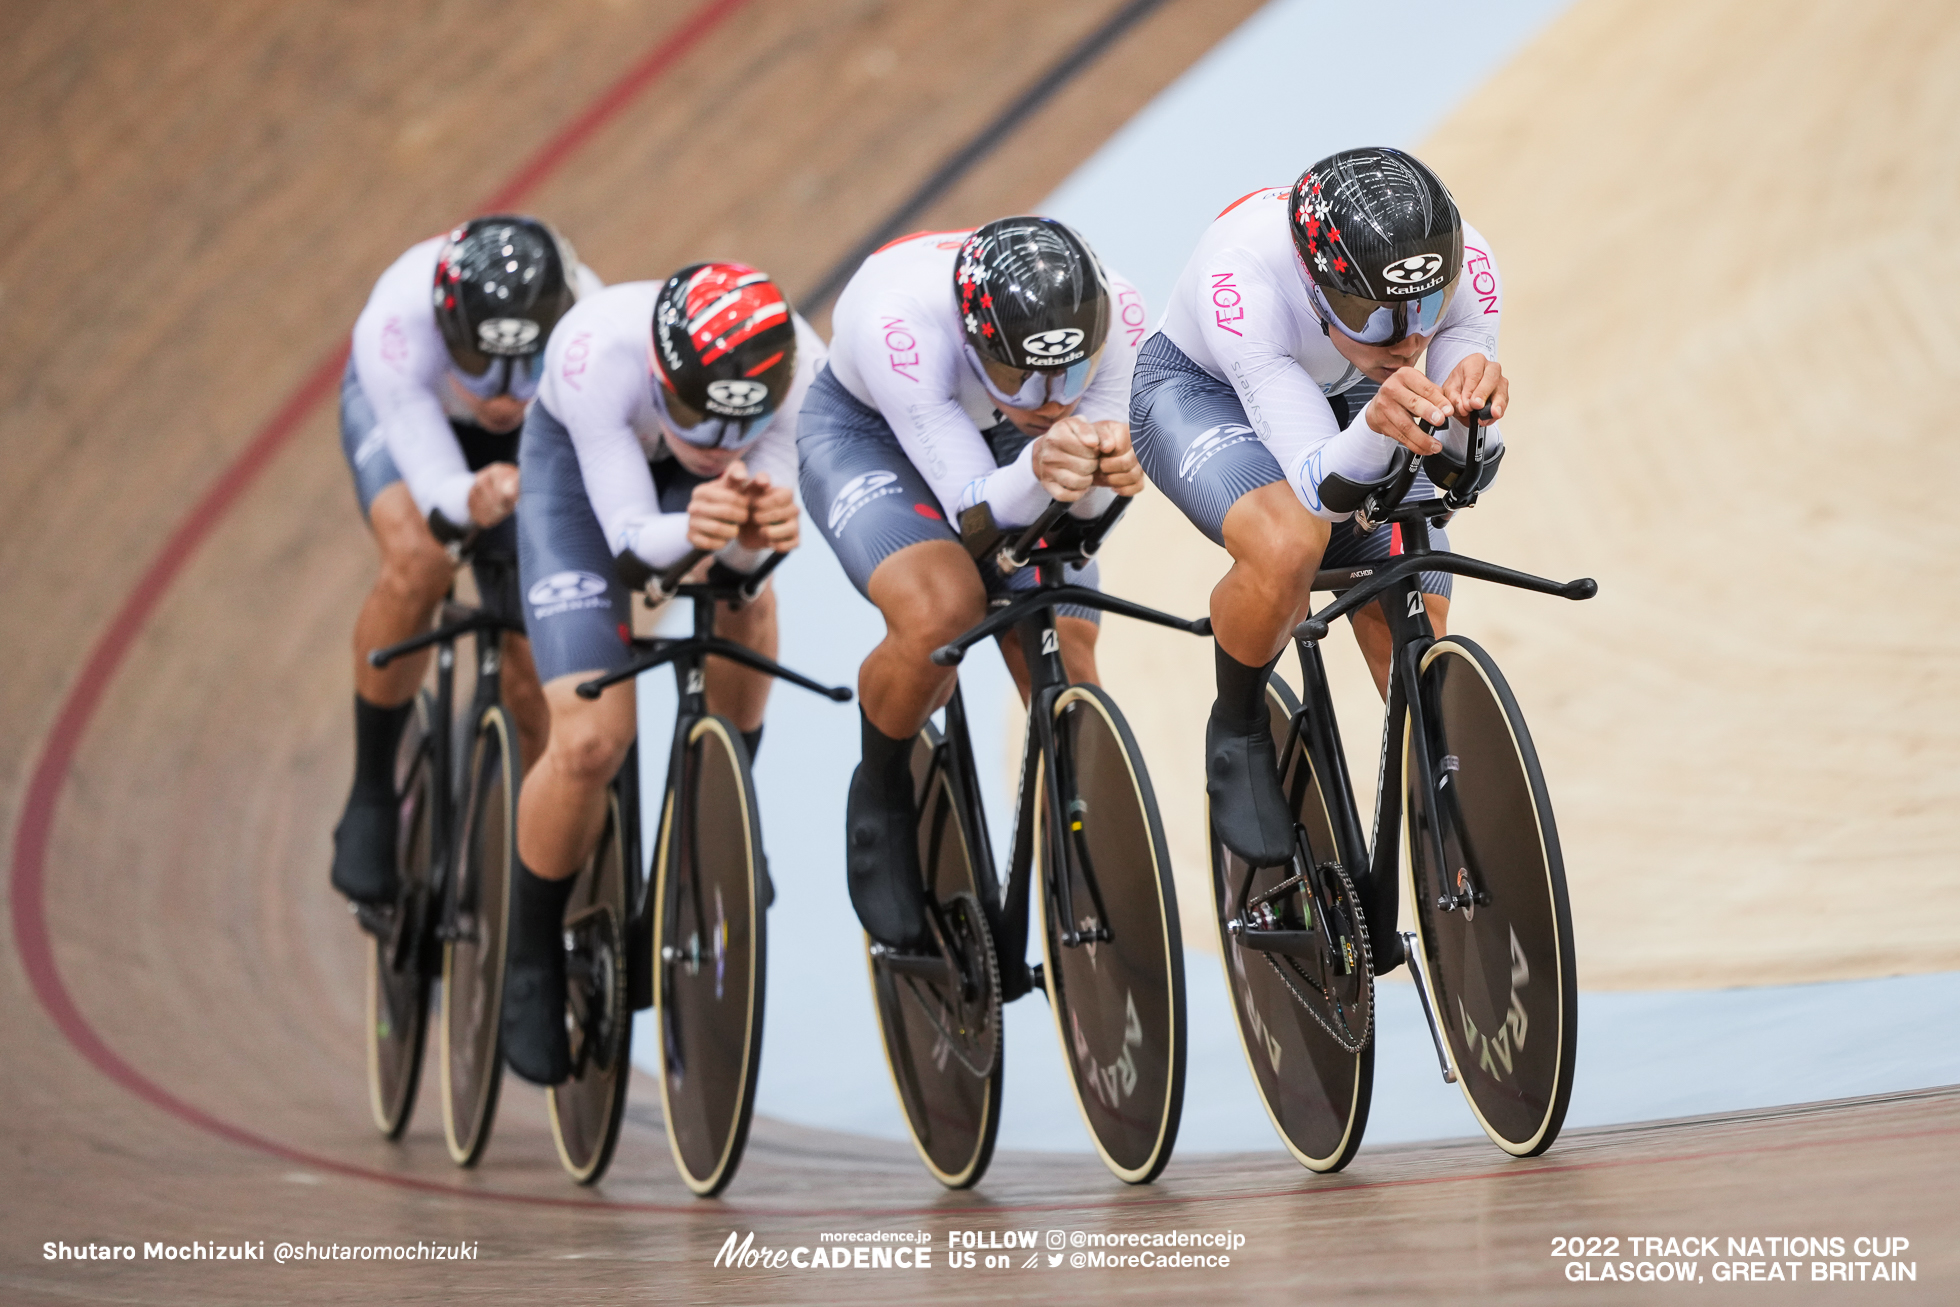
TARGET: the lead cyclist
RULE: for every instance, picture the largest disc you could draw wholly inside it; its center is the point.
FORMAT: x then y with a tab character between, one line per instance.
1312	330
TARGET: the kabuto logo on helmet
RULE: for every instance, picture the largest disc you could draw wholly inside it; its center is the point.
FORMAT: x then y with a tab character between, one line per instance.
724	348
1413	270
1052	344
736	398
1030	294
501	283
506	336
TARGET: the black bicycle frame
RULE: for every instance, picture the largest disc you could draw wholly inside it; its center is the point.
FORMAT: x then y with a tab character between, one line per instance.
1397	585
688	656
454	622
1048	546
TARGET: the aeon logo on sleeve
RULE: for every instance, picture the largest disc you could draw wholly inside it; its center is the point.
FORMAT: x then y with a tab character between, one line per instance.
736	398
506	335
1220	437
564	592
857	492
1052	344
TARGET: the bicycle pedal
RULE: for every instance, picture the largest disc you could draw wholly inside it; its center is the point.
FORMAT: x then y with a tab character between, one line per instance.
1038	977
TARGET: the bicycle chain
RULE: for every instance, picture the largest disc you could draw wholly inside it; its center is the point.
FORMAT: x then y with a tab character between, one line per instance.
953	1043
1347	1043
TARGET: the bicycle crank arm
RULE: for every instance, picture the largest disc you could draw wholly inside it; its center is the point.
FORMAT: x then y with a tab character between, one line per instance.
1292	943
925	966
1419	969
1307	945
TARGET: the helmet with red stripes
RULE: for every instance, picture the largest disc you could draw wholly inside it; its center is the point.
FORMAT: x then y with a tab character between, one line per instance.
724	352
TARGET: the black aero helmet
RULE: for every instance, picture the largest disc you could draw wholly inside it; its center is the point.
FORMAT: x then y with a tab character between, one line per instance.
724	353
1381	242
502	283
1035	307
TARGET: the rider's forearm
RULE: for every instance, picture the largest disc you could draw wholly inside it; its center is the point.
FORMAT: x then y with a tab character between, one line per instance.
1093	503
419	439
1359	453
659	540
1013	492
743	559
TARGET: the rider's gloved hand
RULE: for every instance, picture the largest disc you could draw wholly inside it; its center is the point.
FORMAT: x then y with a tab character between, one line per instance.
1116	462
1406	398
1474	382
1066	459
773	519
719	509
493	495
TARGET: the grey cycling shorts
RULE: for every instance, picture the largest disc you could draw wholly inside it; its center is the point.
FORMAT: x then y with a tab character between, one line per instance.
577	611
367	452
1177	413
374	471
868	500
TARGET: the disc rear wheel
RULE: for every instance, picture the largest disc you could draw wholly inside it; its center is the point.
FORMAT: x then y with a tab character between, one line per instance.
1114	961
477	931
1305	1010
399	968
587	1108
939	1014
1492	918
708	971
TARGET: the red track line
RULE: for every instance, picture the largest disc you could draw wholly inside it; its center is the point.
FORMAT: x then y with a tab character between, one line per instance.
28	877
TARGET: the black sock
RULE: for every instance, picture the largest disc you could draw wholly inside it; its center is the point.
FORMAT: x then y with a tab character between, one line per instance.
753	739
1241	705
885	758
377	736
536	901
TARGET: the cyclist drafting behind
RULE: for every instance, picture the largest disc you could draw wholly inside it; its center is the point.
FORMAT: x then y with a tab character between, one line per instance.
1287	372
666	422
986	367
444	362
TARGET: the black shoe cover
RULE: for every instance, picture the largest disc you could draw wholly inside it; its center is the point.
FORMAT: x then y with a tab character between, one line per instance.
364	850
1248	808
882	861
535	1043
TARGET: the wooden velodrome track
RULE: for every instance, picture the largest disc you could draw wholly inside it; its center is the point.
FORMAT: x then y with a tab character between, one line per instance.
198	207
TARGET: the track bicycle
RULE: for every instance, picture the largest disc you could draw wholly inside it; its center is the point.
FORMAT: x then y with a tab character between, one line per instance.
1088	833
691	942
1462	792
456	779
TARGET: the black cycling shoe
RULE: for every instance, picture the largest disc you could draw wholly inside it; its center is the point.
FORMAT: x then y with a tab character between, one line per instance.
364	850
1249	811
882	862
535	1042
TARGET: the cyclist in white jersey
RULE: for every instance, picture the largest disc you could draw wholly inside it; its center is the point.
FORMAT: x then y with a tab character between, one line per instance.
666	422
1311	332
444	360
967	369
